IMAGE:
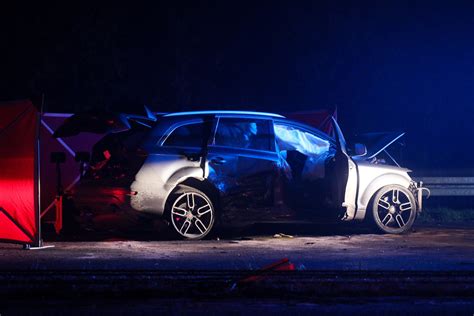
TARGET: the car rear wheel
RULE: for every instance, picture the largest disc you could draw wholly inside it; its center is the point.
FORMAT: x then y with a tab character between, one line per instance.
191	213
394	209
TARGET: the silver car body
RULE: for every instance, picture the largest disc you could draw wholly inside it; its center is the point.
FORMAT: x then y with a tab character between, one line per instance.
162	173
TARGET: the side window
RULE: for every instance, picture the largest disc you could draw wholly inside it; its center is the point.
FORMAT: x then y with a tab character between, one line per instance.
244	133
189	135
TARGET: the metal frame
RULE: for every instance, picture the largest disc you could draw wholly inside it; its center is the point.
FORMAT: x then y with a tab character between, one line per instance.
38	241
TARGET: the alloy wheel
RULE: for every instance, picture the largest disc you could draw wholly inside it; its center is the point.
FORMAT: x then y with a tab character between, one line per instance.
394	209
192	215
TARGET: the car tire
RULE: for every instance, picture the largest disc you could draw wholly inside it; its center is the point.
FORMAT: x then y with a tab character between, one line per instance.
191	213
394	209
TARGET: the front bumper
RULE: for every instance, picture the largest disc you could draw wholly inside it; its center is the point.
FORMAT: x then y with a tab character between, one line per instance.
417	190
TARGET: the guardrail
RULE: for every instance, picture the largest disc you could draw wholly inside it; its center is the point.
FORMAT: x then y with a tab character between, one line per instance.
448	186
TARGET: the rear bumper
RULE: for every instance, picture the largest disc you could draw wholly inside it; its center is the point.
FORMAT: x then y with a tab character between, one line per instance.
148	197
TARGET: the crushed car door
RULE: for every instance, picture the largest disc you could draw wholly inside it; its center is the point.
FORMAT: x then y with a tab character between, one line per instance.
346	185
305	181
242	166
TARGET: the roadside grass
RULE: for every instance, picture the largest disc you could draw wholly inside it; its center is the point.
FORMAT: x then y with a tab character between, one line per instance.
443	215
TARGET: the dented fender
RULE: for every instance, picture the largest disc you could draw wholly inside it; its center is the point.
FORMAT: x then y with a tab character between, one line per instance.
371	182
157	178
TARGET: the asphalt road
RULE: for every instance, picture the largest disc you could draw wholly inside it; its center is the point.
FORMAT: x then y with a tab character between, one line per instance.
426	249
183	306
342	270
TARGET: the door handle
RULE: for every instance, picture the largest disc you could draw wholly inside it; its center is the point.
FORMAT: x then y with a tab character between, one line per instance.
218	160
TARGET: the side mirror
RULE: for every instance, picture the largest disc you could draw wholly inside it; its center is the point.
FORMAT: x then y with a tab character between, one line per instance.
360	150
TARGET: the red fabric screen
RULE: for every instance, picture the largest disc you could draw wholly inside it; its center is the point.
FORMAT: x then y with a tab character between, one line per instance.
18	127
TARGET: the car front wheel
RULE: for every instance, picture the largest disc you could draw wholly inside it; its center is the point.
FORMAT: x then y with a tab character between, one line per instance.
394	209
191	213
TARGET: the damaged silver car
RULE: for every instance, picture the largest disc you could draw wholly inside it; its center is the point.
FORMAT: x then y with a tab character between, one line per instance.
210	168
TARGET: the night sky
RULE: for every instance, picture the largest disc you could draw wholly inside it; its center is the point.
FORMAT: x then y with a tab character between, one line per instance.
385	65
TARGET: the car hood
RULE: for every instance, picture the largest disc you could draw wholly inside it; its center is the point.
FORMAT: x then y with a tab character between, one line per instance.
382	167
378	142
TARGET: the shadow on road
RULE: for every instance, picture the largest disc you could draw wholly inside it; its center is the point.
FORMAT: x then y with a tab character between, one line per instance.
160	231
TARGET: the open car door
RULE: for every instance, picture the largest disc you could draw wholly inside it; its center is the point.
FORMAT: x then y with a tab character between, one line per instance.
346	185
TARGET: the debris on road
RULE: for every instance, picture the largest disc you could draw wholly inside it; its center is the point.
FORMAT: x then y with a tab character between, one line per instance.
281	265
281	235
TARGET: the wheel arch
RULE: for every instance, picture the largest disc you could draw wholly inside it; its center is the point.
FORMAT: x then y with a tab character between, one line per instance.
201	184
374	186
207	187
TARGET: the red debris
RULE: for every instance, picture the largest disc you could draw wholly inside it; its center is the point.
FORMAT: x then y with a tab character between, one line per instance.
281	265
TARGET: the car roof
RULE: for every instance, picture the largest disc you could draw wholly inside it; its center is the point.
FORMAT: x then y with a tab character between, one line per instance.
245	114
240	113
175	119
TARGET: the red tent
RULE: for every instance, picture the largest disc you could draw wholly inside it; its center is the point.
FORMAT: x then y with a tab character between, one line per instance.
26	144
19	209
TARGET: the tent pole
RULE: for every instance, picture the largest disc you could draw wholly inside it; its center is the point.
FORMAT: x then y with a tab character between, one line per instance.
38	242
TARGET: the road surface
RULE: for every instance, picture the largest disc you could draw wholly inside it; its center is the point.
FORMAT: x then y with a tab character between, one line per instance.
342	271
426	249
